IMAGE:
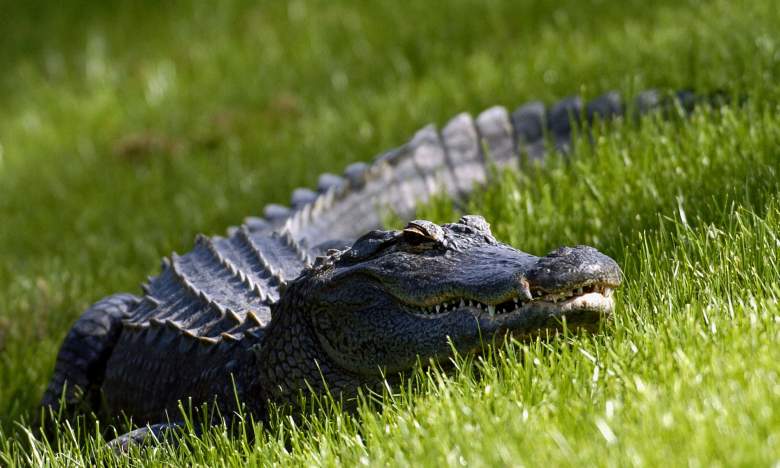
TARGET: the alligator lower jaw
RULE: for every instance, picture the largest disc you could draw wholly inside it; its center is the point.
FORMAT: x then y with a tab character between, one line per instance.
583	311
595	302
544	319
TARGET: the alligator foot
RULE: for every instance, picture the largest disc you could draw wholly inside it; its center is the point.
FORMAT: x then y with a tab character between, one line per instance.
146	436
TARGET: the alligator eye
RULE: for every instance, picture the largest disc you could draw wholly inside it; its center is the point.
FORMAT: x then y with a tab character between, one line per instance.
419	231
415	237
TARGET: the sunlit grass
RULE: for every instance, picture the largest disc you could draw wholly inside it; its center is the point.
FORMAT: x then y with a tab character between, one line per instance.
121	138
687	373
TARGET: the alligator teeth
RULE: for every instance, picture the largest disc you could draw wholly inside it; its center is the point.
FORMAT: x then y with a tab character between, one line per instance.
517	304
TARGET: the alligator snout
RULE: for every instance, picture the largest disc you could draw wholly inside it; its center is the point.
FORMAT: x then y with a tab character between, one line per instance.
568	267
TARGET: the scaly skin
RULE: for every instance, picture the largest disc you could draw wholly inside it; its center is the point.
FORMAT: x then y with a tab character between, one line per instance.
397	296
363	313
255	315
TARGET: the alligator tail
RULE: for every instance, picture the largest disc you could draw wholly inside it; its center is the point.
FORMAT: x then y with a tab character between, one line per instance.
452	161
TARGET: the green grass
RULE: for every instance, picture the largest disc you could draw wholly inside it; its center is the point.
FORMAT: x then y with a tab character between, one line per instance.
127	128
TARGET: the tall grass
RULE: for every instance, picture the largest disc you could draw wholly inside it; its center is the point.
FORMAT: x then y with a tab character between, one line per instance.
121	138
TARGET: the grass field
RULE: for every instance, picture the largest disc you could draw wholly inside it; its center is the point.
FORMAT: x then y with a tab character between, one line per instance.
127	128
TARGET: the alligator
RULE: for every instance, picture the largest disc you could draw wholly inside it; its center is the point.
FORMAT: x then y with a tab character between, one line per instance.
317	297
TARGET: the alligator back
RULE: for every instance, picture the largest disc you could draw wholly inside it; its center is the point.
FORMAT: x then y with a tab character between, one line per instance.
182	338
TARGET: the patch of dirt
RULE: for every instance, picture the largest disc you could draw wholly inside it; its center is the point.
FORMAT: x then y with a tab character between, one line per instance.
139	146
210	132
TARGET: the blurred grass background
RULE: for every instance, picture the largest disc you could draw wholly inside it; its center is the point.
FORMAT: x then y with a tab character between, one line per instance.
128	127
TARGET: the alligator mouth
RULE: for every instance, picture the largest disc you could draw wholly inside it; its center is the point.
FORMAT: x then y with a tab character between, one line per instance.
592	297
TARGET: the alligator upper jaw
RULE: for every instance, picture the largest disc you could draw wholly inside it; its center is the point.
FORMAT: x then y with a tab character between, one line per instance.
596	298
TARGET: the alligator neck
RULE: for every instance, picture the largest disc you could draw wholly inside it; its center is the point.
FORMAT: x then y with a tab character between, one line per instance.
291	358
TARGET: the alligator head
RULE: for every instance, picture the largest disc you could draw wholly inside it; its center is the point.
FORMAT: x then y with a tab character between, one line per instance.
396	295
